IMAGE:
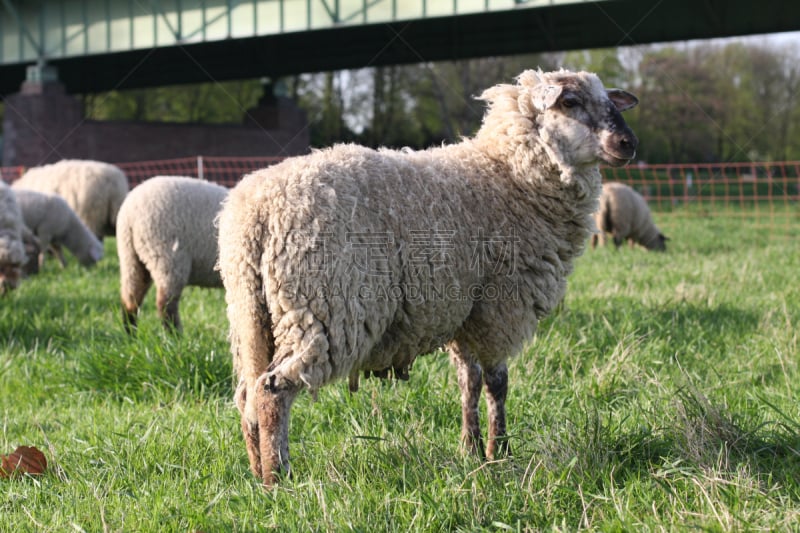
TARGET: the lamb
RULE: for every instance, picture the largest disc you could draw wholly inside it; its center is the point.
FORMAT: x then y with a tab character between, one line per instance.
350	259
624	213
94	190
12	249
166	236
55	224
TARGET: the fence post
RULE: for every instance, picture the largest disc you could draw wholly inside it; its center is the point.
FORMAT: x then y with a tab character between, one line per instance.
200	167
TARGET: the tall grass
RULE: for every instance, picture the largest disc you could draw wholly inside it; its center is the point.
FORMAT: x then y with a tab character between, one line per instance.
662	395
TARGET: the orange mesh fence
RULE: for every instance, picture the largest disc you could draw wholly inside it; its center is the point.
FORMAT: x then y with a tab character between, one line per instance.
765	195
223	170
226	171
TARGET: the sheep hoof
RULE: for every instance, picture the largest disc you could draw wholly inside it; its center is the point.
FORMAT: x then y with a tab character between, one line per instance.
473	445
498	448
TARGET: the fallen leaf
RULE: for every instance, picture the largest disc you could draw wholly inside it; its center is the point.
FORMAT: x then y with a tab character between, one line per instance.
24	460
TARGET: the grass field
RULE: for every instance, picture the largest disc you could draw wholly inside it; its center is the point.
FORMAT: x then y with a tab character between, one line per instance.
662	396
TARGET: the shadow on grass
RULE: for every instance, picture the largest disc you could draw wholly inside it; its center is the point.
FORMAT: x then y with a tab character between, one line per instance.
665	319
38	318
86	331
675	327
699	442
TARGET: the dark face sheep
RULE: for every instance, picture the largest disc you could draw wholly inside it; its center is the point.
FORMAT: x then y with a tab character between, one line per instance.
584	124
513	206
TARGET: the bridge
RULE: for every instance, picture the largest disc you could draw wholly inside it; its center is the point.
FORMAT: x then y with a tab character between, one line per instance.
51	50
99	45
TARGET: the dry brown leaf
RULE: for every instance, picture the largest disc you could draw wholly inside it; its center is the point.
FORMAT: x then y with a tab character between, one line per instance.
24	460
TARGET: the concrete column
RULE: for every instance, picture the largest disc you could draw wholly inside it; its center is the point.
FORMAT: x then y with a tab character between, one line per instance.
40	121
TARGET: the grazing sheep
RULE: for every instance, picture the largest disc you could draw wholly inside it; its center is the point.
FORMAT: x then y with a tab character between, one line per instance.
12	249
94	190
351	259
624	214
166	236
55	224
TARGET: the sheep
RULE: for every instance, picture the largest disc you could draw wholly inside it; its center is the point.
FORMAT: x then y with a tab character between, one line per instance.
624	213
12	249
166	236
94	190
55	224
350	259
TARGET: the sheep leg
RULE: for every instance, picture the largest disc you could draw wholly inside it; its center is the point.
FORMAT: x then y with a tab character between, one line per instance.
167	302
469	381
59	253
135	283
250	431
273	403
496	381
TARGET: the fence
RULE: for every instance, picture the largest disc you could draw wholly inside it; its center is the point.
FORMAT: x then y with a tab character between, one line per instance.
763	194
223	170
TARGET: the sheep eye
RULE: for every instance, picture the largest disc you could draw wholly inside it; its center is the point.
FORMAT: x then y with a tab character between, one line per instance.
570	101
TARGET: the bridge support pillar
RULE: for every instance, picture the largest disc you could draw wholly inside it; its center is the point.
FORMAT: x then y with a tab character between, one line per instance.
43	124
40	120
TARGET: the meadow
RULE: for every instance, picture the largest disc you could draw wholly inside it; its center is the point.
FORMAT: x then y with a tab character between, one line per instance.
663	395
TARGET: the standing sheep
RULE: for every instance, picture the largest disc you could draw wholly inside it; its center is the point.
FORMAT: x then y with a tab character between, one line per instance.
166	236
55	224
351	259
12	249
94	190
624	214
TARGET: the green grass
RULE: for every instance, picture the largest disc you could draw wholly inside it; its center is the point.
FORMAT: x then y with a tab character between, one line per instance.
662	395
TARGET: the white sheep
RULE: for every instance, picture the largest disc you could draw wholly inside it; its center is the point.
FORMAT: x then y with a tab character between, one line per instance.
12	249
55	224
351	259
93	189
166	236
624	214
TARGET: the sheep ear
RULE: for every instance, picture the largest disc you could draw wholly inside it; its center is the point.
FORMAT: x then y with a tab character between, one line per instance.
544	96
622	99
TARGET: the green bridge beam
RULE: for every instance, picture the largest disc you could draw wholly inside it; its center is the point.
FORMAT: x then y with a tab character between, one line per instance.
104	44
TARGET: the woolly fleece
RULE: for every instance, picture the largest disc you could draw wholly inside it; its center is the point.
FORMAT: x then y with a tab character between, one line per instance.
94	190
55	223
166	235
623	212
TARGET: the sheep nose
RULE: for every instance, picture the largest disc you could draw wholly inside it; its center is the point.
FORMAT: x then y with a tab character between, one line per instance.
627	143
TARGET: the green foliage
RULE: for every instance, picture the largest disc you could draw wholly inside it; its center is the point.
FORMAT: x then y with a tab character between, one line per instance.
217	102
732	102
662	395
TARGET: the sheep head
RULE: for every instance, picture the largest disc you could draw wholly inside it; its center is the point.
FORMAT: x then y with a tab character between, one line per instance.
568	115
11	260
